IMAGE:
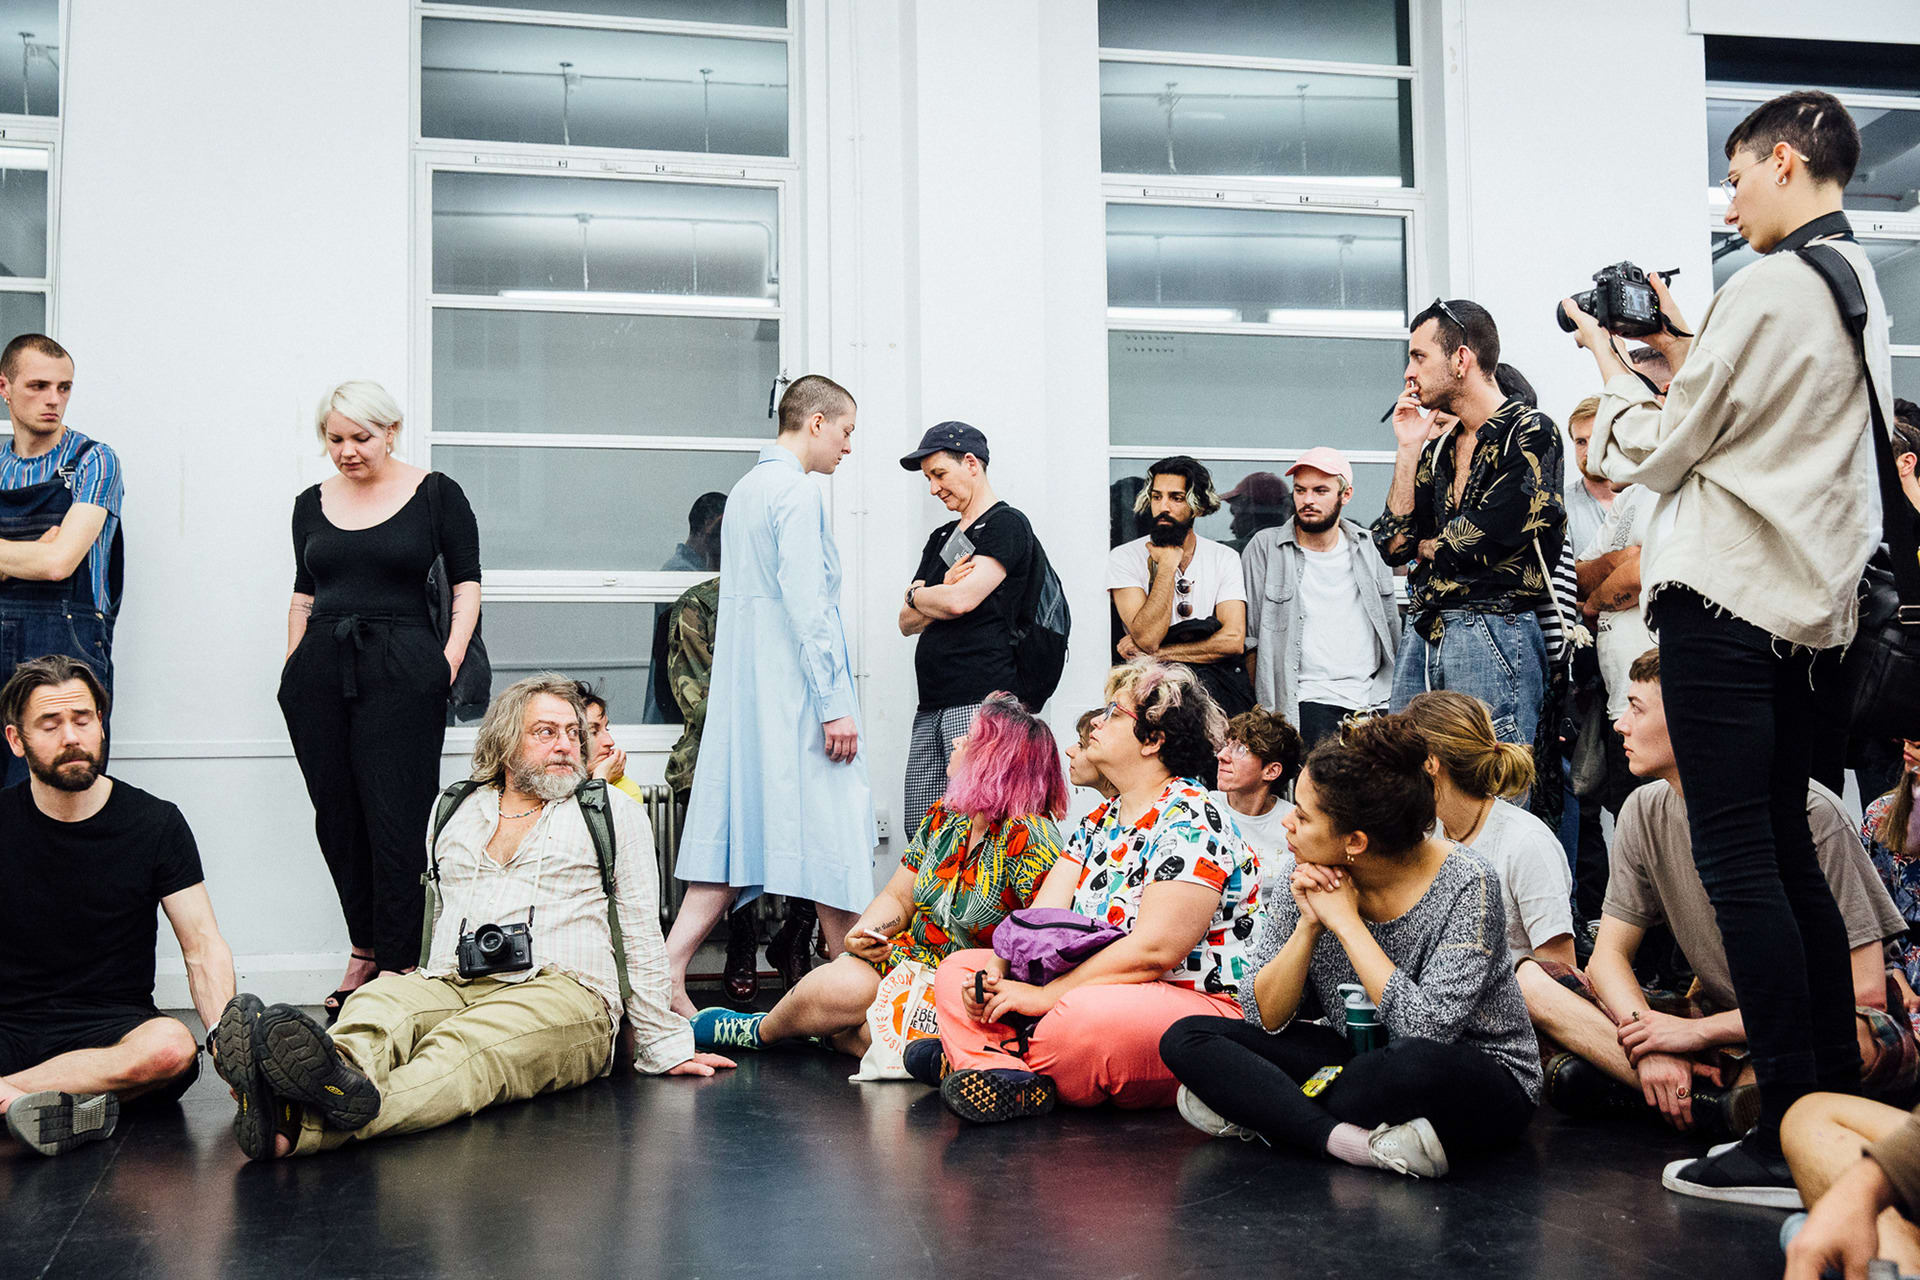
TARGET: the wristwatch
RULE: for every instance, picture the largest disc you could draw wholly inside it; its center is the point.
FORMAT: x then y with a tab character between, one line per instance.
910	591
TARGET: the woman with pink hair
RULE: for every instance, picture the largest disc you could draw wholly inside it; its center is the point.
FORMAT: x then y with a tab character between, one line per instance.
981	851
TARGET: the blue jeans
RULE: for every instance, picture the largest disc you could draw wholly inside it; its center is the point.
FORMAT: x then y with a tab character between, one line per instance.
34	628
1499	658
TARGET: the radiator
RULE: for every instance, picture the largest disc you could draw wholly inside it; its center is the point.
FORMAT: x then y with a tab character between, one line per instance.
663	812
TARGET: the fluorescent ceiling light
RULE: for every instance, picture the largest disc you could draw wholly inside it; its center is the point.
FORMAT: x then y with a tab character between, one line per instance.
1330	319
719	302
1362	180
23	158
1175	315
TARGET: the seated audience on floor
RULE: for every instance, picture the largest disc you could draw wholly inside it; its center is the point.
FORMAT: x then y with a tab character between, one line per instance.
85	859
1256	768
605	760
1081	771
1856	1162
1630	1052
981	851
1473	773
1160	863
1372	903
489	1016
1891	836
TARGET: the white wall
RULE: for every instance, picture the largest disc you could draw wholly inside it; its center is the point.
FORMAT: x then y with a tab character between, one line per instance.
236	239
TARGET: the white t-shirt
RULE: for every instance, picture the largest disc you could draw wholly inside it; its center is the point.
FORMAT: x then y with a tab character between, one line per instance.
1532	867
1622	634
1336	640
1263	834
1214	575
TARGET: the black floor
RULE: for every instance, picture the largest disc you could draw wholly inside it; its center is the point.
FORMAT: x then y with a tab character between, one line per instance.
782	1168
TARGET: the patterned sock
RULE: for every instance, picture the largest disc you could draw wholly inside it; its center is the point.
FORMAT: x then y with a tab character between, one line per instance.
1348	1142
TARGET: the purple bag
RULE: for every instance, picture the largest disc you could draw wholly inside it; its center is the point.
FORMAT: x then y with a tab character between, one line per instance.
1041	943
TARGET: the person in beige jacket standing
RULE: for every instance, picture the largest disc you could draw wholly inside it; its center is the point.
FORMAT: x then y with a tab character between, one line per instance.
1750	587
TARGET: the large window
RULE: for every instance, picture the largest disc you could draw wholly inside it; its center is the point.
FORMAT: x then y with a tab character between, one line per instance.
1263	188
29	129
1880	84
604	190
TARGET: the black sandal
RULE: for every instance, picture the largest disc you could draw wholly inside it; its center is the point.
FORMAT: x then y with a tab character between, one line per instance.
338	999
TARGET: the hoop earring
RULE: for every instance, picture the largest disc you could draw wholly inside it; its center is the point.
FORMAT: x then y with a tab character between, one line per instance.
1350	857
1780	180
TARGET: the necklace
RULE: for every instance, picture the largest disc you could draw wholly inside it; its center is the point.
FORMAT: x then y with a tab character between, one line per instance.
510	817
1478	822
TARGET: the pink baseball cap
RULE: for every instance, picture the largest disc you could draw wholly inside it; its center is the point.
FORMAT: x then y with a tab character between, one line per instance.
1329	460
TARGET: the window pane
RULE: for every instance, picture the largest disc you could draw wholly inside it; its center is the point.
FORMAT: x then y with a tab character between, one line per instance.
30	38
1896	266
556	508
1885	179
23	212
745	13
1158	119
601	374
1233	527
562	238
22	313
1317	30
1906	378
1253	391
1250	266
509	83
611	645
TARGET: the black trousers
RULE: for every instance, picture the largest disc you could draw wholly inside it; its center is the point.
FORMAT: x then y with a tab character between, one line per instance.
1253	1079
1745	713
1318	719
366	705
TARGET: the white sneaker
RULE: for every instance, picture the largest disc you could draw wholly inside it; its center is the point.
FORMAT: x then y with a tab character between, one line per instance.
1207	1120
1412	1148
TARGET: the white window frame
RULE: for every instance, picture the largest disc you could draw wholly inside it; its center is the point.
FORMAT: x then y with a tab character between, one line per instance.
43	133
1867	224
781	174
1284	193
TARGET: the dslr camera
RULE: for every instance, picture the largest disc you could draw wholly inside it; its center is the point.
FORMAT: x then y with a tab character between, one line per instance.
494	948
1621	301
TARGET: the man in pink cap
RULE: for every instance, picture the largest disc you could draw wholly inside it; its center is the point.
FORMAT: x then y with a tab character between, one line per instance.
1322	629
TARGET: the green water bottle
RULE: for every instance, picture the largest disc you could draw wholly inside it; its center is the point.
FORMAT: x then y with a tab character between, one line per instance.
1365	1031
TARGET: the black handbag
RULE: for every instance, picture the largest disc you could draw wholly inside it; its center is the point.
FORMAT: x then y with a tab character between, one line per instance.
473	684
1880	672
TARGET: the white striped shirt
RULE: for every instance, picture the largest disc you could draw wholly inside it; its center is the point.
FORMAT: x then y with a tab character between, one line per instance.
555	872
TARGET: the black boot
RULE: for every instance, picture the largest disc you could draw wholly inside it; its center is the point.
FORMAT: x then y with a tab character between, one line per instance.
742	974
791	949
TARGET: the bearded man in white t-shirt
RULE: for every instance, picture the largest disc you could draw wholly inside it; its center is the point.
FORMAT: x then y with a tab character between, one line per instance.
1179	596
1322	626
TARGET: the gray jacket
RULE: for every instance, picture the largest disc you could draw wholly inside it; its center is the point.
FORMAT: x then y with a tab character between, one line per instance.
1273	561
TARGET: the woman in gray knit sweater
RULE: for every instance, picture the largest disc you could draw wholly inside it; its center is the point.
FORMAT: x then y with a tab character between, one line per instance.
1420	923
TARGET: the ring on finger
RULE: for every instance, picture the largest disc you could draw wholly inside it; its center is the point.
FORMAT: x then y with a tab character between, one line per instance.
1682	1092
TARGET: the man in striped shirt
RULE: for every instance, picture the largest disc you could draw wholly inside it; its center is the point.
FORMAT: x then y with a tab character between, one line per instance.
59	522
464	1031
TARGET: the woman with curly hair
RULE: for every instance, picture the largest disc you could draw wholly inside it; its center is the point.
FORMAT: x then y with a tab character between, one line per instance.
1161	863
981	851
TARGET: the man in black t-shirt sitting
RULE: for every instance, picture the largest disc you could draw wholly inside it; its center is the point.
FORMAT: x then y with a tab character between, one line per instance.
961	605
84	860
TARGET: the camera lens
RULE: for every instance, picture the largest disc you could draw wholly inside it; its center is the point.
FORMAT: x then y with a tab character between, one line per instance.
489	940
1582	300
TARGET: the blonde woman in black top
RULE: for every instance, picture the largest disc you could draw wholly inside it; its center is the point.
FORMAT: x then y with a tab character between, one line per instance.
366	680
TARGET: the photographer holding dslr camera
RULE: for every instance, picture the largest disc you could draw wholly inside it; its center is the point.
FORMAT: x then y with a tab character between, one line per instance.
1767	514
530	966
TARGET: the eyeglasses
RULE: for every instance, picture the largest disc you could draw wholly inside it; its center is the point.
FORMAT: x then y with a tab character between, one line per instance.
1235	751
1183	607
1115	709
1448	312
1731	183
547	734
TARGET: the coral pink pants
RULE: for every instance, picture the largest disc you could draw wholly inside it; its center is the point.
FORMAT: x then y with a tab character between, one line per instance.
1101	1043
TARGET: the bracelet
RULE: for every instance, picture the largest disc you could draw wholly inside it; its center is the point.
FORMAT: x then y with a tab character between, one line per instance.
207	1044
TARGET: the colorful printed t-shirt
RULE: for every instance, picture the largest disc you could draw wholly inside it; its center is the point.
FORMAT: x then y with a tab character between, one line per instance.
1184	837
1901	875
960	894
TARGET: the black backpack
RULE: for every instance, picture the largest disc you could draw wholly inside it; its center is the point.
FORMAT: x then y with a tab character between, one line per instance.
1041	623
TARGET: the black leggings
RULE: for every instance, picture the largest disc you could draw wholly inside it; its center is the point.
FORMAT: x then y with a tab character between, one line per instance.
366	706
1253	1079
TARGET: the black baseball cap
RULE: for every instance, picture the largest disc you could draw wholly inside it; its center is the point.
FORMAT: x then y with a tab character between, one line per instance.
948	437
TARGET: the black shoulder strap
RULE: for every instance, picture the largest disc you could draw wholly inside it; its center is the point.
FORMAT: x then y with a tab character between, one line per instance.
432	485
592	795
450	799
1895	511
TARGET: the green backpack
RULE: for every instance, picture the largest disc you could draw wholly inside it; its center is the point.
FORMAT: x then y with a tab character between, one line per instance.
592	795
